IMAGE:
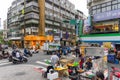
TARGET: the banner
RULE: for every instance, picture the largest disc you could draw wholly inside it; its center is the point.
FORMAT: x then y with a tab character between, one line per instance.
107	15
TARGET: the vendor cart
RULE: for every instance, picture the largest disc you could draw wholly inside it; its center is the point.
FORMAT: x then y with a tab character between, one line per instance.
99	64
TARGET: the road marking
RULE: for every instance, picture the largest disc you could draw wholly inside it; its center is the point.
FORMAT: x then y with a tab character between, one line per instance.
43	63
2	64
4	61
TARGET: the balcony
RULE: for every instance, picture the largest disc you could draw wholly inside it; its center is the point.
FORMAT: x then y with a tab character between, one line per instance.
57	19
48	22
57	24
49	17
32	21
31	16
51	0
31	9
32	3
57	2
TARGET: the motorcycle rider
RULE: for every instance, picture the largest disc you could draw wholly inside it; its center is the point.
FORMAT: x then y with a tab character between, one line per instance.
16	53
19	55
27	52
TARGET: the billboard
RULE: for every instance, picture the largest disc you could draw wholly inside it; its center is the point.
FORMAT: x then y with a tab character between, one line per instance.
107	15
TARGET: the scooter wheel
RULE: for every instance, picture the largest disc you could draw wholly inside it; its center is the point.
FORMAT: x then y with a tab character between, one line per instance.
25	60
14	62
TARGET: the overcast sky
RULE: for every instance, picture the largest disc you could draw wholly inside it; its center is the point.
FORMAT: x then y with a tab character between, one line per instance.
5	4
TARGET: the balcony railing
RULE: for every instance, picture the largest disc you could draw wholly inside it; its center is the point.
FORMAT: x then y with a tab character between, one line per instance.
31	8
32	21
32	15
49	17
32	4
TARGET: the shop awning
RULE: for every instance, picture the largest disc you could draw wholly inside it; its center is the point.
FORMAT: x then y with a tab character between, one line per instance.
34	38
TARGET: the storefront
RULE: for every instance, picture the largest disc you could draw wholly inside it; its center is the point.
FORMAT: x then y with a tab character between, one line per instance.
36	41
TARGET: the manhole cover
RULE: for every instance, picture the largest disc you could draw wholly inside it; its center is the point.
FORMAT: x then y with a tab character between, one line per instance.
20	73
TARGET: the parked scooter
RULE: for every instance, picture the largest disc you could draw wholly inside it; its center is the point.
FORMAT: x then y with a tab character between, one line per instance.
4	55
34	51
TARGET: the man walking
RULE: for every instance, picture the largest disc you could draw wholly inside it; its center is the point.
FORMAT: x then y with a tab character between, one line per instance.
54	59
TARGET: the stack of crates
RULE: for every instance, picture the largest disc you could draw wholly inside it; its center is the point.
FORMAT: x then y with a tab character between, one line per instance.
111	58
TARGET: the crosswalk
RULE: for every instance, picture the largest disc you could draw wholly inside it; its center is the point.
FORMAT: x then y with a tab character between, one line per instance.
39	63
4	62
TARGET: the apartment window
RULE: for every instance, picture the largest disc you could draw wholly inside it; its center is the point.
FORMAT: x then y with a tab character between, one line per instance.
98	10
119	5
94	11
103	9
108	3
114	2
94	7
98	6
114	7
118	0
103	5
108	8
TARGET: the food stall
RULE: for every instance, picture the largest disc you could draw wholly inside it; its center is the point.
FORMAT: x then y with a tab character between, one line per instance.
99	64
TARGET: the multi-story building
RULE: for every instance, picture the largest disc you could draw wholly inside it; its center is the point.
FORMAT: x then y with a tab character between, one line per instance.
5	29
29	21
104	22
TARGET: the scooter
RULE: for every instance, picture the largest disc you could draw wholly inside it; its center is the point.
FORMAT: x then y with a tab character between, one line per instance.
28	54
18	61
4	55
34	51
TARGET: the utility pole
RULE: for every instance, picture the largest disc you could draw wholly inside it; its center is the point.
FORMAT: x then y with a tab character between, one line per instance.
41	27
24	27
24	18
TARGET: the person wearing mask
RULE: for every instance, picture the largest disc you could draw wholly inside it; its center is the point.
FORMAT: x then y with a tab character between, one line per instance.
54	59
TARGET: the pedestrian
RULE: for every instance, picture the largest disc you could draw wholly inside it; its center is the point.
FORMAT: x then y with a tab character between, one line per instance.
54	59
77	51
81	62
58	54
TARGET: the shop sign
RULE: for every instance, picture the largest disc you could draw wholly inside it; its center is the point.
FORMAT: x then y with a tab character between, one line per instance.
107	15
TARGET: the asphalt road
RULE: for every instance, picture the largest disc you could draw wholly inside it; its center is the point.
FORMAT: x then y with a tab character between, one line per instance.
25	71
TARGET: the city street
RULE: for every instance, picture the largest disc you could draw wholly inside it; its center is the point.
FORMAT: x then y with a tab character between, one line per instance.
27	71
